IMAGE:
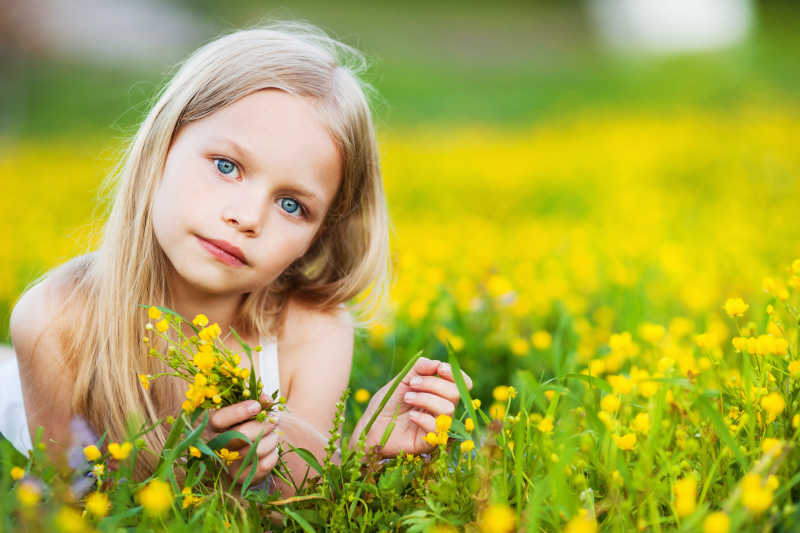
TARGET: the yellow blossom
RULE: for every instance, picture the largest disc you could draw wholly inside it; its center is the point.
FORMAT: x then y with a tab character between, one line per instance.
156	497
641	423
162	325
735	307
195	452
189	498
469	425
546	425
716	522
97	503
204	361
541	340
200	320
497	518
582	523
626	442
68	520
476	403
92	453
768	444
443	423
519	346
120	452
362	395
500	393
685	496
227	455
17	473
773	403
153	313
794	369
28	494
467	446
210	333
756	496
497	411
145	379
610	403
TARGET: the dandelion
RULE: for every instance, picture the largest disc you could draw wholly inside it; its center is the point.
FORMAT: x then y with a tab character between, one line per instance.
361	396
97	503
92	453
200	320
497	518
156	497
120	452
717	522
735	307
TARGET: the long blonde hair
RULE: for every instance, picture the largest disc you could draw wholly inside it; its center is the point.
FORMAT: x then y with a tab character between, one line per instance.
350	254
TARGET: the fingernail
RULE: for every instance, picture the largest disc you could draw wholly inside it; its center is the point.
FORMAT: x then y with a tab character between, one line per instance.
416	380
446	367
409	396
254	408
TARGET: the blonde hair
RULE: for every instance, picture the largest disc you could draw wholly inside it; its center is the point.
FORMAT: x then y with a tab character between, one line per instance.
349	255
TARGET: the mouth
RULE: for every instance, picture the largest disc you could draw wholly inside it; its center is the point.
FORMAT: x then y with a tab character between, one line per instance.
223	251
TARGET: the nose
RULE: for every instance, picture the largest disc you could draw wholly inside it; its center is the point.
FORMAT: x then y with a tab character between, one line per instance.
245	213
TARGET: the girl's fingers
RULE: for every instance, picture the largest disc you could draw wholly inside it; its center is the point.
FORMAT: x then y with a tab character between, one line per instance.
430	402
267	445
423	367
435	385
446	371
234	414
423	420
267	458
250	430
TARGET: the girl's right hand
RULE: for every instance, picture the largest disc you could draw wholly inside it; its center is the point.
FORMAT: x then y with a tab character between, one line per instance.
238	417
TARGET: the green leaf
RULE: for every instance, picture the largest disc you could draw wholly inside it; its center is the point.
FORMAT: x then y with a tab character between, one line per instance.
408	366
705	407
308	457
222	439
463	391
300	520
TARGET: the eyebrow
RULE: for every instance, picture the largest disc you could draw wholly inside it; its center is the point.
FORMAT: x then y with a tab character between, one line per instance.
244	153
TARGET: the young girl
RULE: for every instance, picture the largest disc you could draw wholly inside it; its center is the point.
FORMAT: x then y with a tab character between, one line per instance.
251	193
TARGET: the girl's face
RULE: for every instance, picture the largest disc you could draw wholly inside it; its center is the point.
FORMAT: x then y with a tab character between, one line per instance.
259	174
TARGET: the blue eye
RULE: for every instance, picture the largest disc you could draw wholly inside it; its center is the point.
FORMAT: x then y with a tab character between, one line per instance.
290	205
224	166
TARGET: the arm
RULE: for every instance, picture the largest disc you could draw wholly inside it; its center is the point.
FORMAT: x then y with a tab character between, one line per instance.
46	387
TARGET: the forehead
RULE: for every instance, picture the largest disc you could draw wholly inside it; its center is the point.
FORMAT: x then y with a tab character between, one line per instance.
280	132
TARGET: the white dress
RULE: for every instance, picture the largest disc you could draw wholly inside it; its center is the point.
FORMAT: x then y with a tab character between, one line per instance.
14	424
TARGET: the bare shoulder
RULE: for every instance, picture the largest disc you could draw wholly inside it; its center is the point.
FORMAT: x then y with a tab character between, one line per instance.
314	341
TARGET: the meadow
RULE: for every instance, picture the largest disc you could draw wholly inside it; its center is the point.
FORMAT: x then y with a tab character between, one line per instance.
620	280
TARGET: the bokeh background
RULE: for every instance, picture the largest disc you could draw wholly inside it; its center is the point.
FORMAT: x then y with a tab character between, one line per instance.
557	171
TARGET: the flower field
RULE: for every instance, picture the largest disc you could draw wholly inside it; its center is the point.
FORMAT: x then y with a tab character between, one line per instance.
621	287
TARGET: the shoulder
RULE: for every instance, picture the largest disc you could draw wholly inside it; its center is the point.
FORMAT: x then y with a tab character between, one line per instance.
33	313
316	343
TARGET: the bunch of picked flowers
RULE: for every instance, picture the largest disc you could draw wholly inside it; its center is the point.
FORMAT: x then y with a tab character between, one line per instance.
211	369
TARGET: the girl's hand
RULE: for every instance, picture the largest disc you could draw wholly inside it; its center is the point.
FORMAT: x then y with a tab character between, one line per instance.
427	391
237	417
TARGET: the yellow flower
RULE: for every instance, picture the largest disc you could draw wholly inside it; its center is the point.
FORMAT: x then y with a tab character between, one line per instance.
68	520
626	442
768	444
794	369
204	361
154	313
469	425
92	453
200	320
581	523
541	340
756	496
716	522
120	452
431	438
500	393
476	403
497	411
443	423
641	423
97	503
685	496
497	518
17	473
145	379
773	403
610	403
546	425
467	446
735	307
99	470
28	494
362	396
162	325
227	455
195	452
210	333
189	498
156	497
519	346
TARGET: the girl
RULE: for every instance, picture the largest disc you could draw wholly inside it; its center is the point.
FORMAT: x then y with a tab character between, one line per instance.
251	193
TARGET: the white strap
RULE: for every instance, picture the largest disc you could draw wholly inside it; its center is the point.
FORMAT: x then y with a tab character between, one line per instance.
270	375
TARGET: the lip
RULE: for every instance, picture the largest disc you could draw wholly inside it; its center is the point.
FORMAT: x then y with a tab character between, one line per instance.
224	251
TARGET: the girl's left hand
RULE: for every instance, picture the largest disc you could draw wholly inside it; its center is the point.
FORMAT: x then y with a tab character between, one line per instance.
427	391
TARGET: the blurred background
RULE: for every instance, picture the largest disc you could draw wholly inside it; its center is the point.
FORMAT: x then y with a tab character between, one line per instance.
612	162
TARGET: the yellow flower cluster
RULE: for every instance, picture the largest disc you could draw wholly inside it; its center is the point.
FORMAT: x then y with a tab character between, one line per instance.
757	492
155	498
761	345
439	438
685	496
